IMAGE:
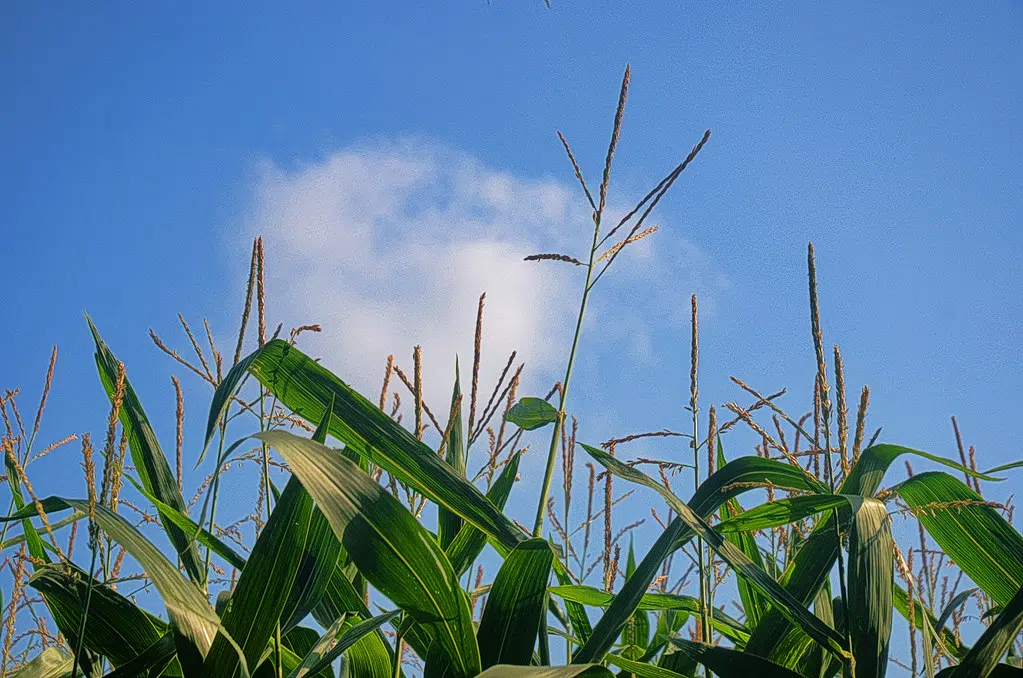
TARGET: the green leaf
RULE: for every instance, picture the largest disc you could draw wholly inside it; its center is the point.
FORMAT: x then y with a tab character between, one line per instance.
50	663
577	617
729	663
190	527
738	476
575	671
448	523
516	605
594	597
305	387
974	536
992	645
319	558
530	414
194	621
467	545
813	562
115	629
149	460
782	599
346	638
638	668
871	579
753	604
637	630
392	550
780	512
942	635
264	584
154	657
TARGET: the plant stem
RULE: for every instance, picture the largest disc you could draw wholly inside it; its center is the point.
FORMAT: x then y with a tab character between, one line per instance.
559	421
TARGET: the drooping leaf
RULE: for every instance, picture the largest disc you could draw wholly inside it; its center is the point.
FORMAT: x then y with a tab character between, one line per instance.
516	605
319	557
147	456
729	663
193	620
588	595
159	654
50	663
530	414
347	636
782	599
812	563
305	387
753	604
115	628
780	512
942	636
738	476
974	535
392	550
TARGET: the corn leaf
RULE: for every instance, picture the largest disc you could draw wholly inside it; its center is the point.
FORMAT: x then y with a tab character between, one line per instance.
744	566
738	476
392	550
982	659
149	460
870	582
264	584
448	523
347	635
469	542
974	535
515	605
807	571
729	663
306	387
115	628
576	671
51	663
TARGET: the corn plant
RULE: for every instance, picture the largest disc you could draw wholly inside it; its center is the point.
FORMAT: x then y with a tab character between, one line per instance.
344	568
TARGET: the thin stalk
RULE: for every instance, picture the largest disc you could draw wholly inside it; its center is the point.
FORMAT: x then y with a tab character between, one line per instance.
559	421
705	631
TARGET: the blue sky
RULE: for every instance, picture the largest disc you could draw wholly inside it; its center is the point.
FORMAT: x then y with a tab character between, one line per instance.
400	159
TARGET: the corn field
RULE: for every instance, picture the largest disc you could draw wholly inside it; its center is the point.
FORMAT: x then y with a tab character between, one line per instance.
387	549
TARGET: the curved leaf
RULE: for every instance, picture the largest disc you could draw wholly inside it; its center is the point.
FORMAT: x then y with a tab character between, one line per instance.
392	550
576	671
306	387
974	536
871	579
731	663
149	460
782	599
469	542
806	572
738	476
780	512
115	629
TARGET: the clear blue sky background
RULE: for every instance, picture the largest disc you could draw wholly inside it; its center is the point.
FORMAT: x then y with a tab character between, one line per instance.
886	133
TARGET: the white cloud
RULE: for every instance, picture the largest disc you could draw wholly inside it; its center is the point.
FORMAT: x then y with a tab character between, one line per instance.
390	245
